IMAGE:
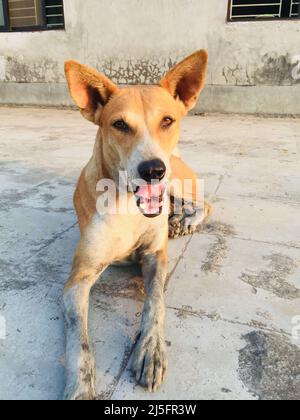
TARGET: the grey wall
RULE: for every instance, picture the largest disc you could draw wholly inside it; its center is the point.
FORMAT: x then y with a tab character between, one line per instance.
253	66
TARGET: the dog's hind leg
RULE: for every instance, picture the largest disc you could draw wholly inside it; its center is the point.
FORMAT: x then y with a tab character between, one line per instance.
188	207
187	217
80	366
150	357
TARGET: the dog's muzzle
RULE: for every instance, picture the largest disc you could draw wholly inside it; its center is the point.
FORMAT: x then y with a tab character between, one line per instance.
150	199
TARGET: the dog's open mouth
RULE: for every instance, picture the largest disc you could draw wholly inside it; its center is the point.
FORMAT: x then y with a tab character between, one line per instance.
150	199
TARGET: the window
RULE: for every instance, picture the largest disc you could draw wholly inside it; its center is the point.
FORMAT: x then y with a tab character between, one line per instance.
3	16
240	10
30	15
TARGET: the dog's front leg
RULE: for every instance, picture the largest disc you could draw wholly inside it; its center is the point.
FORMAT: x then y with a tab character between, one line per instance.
150	357
80	365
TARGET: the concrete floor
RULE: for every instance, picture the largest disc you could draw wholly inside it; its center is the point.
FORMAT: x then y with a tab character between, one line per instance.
234	288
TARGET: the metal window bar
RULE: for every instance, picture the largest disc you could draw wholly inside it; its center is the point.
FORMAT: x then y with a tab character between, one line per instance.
54	13
263	9
295	8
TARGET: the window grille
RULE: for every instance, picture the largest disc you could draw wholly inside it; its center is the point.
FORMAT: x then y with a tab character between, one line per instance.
240	10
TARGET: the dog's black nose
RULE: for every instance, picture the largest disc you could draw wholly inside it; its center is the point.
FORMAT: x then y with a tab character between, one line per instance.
152	170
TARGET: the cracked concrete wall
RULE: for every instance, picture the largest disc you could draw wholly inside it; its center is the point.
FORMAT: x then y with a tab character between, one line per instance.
254	66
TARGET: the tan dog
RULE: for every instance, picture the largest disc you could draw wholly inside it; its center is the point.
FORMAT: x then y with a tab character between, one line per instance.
138	133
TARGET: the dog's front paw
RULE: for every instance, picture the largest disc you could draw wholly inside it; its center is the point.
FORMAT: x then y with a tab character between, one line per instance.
81	382
82	392
150	361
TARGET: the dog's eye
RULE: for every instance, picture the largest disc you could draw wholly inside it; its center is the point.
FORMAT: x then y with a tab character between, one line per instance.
121	125
167	122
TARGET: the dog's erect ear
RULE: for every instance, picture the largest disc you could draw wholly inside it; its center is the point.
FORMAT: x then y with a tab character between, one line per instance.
90	90
186	80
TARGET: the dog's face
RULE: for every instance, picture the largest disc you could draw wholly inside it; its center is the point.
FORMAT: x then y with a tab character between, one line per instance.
140	126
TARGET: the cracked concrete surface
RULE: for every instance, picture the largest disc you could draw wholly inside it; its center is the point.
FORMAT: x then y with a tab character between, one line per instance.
233	287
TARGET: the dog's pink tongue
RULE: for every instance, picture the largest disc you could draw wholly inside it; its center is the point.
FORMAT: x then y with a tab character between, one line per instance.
150	197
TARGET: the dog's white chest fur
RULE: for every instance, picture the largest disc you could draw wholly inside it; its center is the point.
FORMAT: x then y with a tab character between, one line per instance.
120	235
